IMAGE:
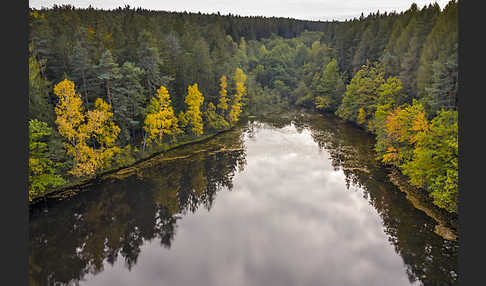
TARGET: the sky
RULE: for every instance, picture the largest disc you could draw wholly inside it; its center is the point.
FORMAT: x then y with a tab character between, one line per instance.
325	10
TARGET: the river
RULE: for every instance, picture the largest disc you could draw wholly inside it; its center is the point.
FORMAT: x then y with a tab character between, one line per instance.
294	201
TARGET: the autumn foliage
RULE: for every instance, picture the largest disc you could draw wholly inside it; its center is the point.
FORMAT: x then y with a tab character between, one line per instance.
193	115
90	136
160	119
426	151
239	78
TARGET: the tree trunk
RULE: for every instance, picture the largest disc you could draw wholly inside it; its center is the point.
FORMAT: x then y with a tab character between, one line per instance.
144	141
108	92
85	89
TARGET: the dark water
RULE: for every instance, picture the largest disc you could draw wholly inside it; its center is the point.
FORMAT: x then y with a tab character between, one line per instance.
299	202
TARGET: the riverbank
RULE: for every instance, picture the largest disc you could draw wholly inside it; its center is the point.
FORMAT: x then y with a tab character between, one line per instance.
447	223
74	188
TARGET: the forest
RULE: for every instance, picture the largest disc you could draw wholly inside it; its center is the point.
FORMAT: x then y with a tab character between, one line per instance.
108	87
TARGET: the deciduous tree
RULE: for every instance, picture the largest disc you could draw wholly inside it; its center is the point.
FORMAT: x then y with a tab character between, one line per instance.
240	91
90	136
160	119
192	116
42	172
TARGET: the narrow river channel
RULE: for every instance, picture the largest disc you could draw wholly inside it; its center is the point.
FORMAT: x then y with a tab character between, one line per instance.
287	202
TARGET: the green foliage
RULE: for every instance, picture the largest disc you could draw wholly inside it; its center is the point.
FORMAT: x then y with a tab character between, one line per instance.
282	63
434	165
439	46
81	69
109	73
42	170
443	89
425	151
39	107
330	88
361	94
129	102
214	121
148	59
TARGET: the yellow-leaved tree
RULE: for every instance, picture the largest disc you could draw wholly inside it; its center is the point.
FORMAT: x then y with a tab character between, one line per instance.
193	117
90	137
69	111
214	121
239	77
223	99
161	118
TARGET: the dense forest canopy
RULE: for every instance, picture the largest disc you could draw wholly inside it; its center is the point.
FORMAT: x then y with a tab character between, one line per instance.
135	77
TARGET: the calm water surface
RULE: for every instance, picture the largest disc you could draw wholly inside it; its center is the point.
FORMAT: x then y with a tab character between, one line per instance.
288	202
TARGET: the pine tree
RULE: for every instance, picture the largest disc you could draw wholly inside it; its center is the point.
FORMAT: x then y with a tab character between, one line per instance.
80	68
439	45
443	89
149	60
109	72
39	107
129	101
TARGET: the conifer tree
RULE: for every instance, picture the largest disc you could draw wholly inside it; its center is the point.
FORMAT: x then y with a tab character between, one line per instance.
39	107
149	60
129	102
80	69
439	45
109	72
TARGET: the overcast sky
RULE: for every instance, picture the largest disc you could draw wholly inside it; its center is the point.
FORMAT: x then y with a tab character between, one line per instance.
304	9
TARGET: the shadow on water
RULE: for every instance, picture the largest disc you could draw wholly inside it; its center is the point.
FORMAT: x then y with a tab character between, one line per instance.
76	237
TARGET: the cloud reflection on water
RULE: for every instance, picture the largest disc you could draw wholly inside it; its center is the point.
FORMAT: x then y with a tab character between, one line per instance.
289	220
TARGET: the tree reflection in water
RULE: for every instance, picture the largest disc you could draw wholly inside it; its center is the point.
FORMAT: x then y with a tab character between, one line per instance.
129	208
116	217
429	258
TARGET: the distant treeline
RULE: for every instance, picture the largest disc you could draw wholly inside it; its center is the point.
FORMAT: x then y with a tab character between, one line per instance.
395	74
